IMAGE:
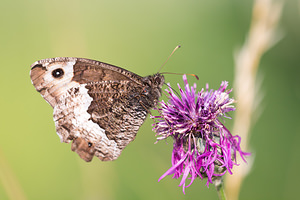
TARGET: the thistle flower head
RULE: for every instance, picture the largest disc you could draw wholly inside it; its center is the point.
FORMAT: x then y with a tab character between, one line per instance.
203	147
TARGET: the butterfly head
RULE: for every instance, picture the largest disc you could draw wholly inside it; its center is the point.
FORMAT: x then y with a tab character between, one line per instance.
152	90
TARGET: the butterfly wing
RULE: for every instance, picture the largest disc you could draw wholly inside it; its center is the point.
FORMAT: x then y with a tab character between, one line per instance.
98	106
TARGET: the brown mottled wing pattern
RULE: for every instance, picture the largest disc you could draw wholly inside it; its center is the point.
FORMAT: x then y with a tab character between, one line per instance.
98	106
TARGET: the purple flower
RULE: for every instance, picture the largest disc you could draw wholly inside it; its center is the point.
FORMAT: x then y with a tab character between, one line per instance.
203	146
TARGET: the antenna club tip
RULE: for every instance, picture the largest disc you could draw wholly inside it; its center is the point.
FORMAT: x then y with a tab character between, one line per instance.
194	75
178	46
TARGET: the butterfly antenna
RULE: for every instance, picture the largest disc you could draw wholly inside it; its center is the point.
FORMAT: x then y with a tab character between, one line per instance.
194	75
177	47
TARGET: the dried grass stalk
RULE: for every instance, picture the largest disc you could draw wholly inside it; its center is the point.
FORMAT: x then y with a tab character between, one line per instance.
263	34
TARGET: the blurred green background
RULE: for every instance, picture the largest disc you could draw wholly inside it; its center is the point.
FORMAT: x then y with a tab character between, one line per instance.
139	36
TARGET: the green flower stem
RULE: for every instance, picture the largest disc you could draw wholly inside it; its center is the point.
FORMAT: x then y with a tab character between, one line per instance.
218	182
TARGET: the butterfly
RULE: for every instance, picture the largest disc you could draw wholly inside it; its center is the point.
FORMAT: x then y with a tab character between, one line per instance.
97	106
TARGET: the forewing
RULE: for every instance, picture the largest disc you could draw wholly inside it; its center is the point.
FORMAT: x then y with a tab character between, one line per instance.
96	105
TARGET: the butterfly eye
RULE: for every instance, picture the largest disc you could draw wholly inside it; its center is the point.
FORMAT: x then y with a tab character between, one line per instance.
157	80
57	73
